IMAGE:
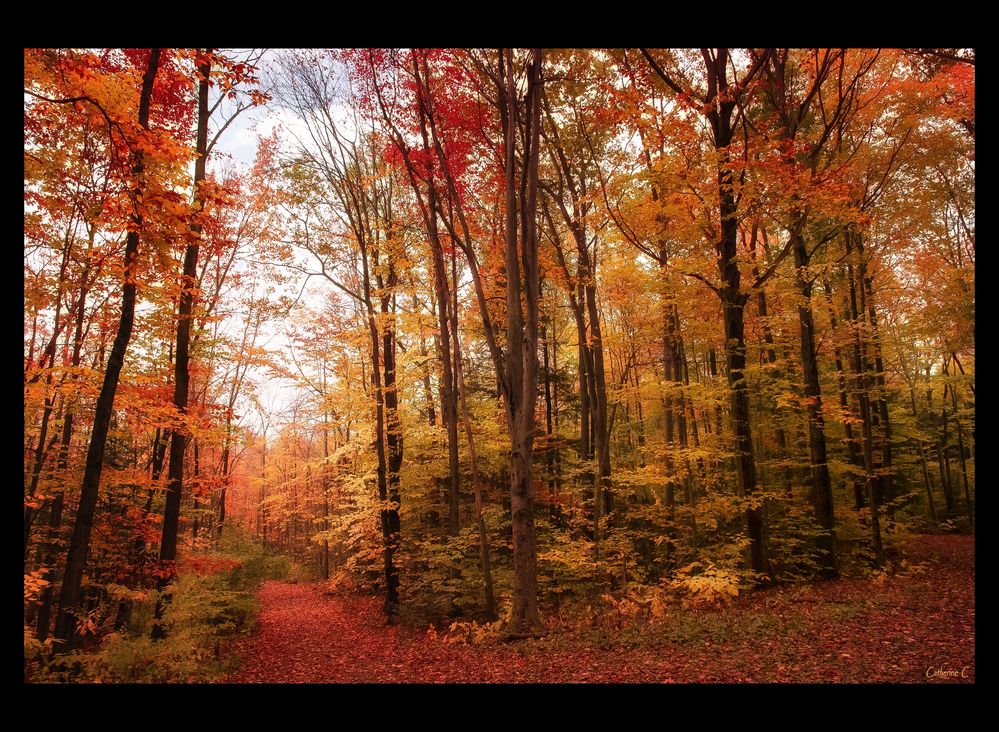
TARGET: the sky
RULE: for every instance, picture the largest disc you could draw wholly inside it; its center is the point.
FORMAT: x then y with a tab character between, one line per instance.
237	146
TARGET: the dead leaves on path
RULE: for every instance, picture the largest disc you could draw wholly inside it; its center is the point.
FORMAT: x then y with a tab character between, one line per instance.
912	627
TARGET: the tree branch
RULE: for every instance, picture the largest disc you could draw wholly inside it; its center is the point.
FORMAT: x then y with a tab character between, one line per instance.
665	77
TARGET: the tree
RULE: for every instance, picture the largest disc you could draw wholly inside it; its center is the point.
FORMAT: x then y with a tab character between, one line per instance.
348	164
181	378
520	378
722	104
79	544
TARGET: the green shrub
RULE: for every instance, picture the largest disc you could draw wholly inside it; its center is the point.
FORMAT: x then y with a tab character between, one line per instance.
205	613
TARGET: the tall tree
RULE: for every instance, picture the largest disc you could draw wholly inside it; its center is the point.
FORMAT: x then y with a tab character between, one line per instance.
69	596
520	378
181	372
723	106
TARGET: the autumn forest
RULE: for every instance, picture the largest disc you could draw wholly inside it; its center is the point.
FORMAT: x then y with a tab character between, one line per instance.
499	365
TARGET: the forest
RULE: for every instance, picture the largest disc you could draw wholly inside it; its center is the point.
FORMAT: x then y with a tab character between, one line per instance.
499	365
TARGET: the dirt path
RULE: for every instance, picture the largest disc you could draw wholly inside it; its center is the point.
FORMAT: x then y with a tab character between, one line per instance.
911	628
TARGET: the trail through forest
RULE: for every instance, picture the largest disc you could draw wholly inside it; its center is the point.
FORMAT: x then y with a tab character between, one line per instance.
589	338
909	627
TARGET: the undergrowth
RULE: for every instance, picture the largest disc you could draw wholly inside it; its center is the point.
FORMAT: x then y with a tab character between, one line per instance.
210	606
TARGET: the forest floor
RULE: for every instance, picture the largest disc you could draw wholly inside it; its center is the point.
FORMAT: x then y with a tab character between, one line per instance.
915	626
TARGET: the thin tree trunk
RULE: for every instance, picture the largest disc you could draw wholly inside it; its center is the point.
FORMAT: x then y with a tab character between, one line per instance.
49	355
427	392
56	509
960	451
860	372
325	482
197	469
927	479
887	481
948	489
771	354
480	523
225	470
182	375
853	450
587	382
263	487
549	435
389	513
430	214
669	379
822	498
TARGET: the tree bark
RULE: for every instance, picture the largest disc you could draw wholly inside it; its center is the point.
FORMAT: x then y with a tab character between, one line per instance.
69	596
49	355
822	498
964	465
480	523
733	302
522	335
771	355
862	389
430	213
887	480
427	392
927	479
182	374
853	450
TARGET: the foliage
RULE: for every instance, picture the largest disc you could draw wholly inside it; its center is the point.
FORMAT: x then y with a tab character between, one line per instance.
809	212
212	602
805	634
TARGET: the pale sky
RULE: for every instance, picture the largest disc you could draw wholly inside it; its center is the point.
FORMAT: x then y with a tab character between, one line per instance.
238	144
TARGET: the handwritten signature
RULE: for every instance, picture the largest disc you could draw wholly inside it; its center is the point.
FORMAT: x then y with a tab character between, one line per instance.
939	672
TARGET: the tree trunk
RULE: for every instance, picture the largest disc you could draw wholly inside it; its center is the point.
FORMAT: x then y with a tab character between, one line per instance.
860	373
887	481
927	480
50	398
522	337
960	452
669	379
942	460
822	498
55	510
713	371
182	375
394	442
430	214
224	471
585	447
325	559
69	596
427	392
605	495
853	450
549	433
587	384
733	302
771	354
389	512
263	488
448	396
480	523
